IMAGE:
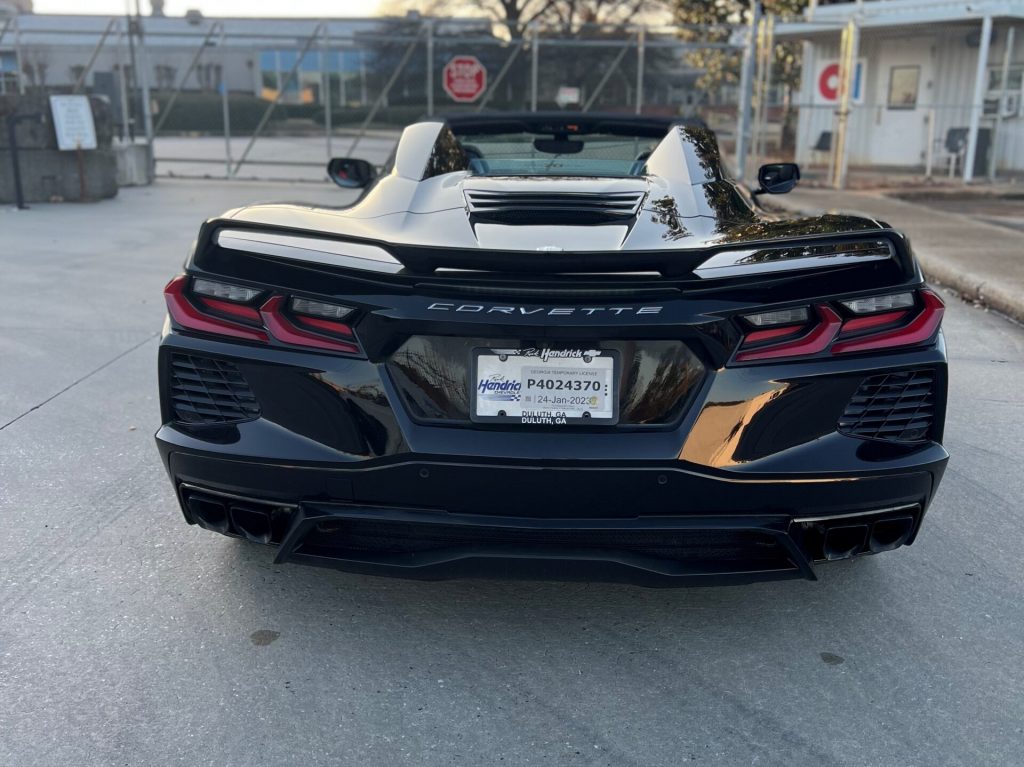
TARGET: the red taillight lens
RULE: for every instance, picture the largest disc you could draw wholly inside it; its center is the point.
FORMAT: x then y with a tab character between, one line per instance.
813	341
871	322
190	316
218	309
868	332
917	331
283	329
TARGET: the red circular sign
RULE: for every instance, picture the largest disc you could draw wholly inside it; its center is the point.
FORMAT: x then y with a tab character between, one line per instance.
465	78
828	82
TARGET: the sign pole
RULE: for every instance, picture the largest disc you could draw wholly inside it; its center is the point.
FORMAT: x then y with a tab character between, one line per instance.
12	143
80	156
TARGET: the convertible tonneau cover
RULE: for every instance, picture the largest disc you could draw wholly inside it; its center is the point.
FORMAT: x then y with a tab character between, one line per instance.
576	123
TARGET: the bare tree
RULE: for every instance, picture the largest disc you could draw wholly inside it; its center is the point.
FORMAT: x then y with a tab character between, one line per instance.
568	16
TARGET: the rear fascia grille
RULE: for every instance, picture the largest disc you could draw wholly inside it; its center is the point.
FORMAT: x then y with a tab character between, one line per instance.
205	390
892	407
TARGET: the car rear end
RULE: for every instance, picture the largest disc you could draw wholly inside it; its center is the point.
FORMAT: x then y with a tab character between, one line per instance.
726	413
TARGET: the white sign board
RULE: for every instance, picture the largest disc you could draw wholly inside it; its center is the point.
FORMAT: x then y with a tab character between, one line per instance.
826	82
567	95
73	123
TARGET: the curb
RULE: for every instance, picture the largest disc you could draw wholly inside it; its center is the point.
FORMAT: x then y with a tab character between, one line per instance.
973	288
938	270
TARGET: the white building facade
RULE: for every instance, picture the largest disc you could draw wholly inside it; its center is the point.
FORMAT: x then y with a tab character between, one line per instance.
926	85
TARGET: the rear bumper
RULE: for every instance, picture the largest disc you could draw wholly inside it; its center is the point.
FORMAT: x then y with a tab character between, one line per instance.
655	524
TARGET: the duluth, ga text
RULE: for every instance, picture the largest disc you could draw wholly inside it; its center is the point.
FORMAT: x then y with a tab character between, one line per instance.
543	418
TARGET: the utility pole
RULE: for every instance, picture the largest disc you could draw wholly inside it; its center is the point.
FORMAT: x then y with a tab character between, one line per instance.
746	86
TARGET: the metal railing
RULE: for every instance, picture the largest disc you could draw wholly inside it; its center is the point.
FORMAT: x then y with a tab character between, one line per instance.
279	95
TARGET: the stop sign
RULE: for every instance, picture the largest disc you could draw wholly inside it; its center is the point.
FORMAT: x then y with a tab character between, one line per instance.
465	78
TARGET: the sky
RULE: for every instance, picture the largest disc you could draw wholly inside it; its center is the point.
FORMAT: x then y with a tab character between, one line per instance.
301	8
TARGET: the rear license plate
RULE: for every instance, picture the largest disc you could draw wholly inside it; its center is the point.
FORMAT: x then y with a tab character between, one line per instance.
545	387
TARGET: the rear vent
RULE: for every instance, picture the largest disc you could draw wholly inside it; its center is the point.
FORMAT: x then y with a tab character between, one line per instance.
210	391
895	407
547	207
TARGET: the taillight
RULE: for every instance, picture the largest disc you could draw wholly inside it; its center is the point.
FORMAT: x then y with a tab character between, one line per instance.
284	329
813	341
879	322
224	291
874	304
192	316
921	328
237	311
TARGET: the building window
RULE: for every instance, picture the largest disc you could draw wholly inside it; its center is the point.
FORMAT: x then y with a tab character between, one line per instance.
8	72
1008	104
1014	81
166	76
903	84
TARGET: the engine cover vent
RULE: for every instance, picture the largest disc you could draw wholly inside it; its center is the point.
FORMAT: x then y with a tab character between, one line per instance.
553	207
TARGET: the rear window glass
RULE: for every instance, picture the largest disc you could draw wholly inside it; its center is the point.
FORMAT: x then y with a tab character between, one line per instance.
528	154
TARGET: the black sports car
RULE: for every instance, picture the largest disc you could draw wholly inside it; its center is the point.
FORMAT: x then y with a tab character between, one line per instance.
564	345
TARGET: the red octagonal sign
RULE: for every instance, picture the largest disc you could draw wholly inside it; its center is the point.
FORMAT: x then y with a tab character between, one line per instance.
465	78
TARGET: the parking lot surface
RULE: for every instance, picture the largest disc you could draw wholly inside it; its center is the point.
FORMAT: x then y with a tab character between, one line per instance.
130	638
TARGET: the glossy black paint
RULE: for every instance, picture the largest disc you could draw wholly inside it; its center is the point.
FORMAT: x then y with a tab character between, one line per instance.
703	445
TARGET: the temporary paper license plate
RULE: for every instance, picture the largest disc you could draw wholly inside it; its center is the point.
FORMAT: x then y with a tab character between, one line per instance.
545	387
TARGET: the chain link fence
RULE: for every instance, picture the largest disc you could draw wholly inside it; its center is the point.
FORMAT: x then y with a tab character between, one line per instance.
274	99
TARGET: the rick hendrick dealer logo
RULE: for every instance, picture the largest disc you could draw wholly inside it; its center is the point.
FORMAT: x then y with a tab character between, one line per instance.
497	388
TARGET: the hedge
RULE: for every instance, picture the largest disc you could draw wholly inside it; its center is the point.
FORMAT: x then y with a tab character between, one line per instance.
202	112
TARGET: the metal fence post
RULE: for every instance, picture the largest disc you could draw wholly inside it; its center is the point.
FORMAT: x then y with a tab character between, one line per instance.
534	64
326	86
17	56
123	80
147	112
641	38
746	86
429	23
225	106
978	102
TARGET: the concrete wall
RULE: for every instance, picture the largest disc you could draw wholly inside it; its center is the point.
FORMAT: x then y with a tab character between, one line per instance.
50	174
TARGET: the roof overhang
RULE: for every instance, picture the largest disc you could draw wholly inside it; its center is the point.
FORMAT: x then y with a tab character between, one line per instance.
894	15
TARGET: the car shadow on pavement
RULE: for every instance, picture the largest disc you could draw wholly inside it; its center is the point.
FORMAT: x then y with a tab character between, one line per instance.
302	595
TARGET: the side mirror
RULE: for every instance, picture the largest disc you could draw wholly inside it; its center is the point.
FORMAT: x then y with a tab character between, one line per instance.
778	177
349	173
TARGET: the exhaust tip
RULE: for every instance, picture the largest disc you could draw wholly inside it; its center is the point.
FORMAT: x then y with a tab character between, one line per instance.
844	541
252	524
889	534
209	513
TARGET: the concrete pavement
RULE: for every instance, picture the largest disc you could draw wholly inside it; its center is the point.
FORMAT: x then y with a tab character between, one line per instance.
982	261
129	638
